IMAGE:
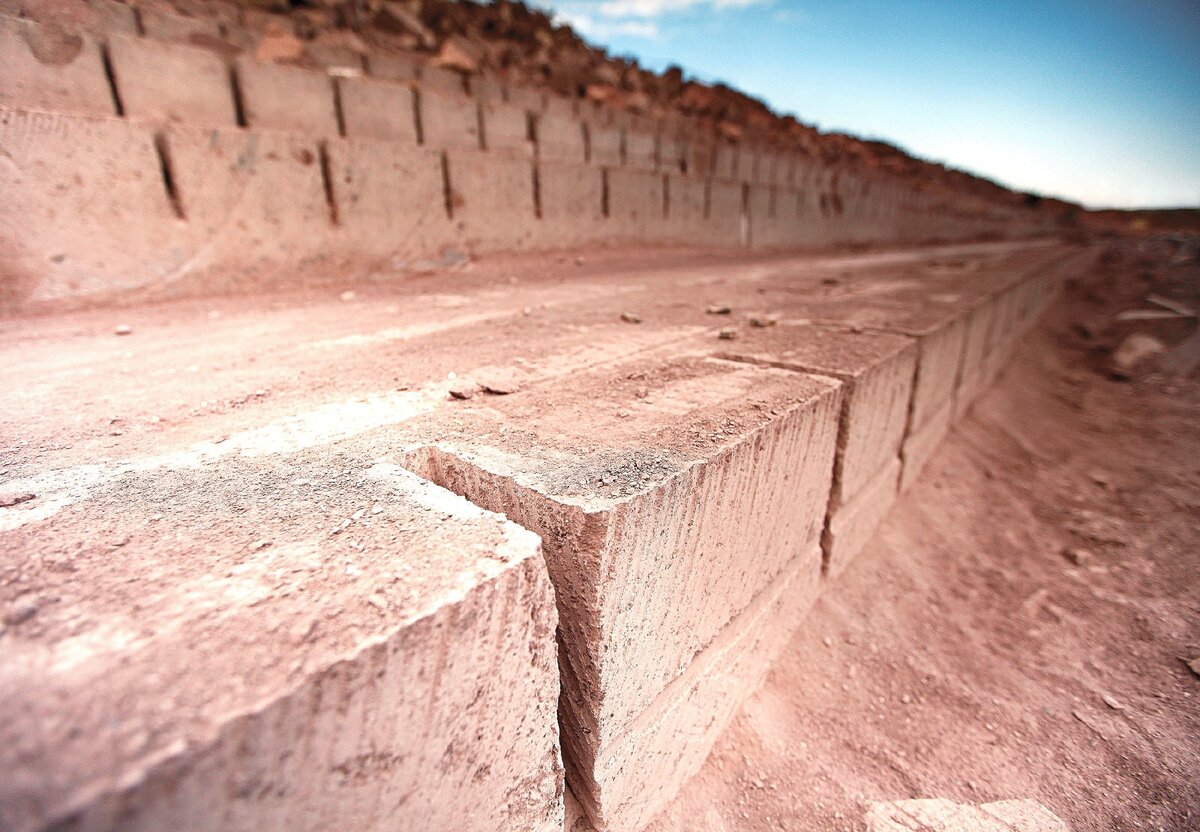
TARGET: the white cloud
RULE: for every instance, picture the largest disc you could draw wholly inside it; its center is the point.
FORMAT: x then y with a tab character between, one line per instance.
657	8
588	26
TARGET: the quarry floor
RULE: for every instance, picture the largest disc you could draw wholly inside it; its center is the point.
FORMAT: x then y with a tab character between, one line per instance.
1019	627
965	655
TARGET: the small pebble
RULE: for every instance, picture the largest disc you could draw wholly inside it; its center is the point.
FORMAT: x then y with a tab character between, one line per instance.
123	329
727	334
631	317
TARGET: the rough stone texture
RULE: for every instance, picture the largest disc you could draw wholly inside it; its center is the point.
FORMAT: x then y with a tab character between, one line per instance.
643	506
725	162
51	69
641	150
559	139
604	145
449	121
922	441
441	81
669	742
852	524
686	201
57	170
635	204
876	370
491	200
571	200
506	130
727	222
378	109
390	199
392	67
171	82
972	371
207	668
230	182
287	98
160	24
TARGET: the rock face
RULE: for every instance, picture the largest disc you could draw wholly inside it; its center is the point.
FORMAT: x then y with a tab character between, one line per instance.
339	658
680	503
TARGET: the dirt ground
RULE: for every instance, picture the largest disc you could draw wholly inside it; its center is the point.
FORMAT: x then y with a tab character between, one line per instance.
1019	627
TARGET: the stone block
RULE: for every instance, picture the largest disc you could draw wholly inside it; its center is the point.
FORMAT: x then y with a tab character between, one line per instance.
52	69
390	199
604	145
449	121
378	109
560	139
571	197
491	201
876	371
853	523
271	675
636	209
172	82
922	442
670	495
277	97
506	130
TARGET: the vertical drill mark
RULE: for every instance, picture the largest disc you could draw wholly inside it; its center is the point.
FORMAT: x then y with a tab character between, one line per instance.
418	126
447	188
327	183
235	89
106	57
604	192
336	89
537	191
168	174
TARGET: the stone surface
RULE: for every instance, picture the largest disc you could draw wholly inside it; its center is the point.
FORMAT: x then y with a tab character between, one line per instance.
171	82
378	109
491	200
287	98
876	370
449	121
49	68
922	442
636	208
252	649
641	150
852	524
55	243
641	496
560	139
604	145
506	130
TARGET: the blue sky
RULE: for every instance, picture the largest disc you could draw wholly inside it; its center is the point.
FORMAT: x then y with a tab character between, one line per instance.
1097	101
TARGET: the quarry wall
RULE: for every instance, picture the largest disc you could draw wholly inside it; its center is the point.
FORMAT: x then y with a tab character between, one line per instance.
689	495
145	166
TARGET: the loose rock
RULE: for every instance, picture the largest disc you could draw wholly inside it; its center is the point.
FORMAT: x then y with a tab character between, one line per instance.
631	317
727	334
7	500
